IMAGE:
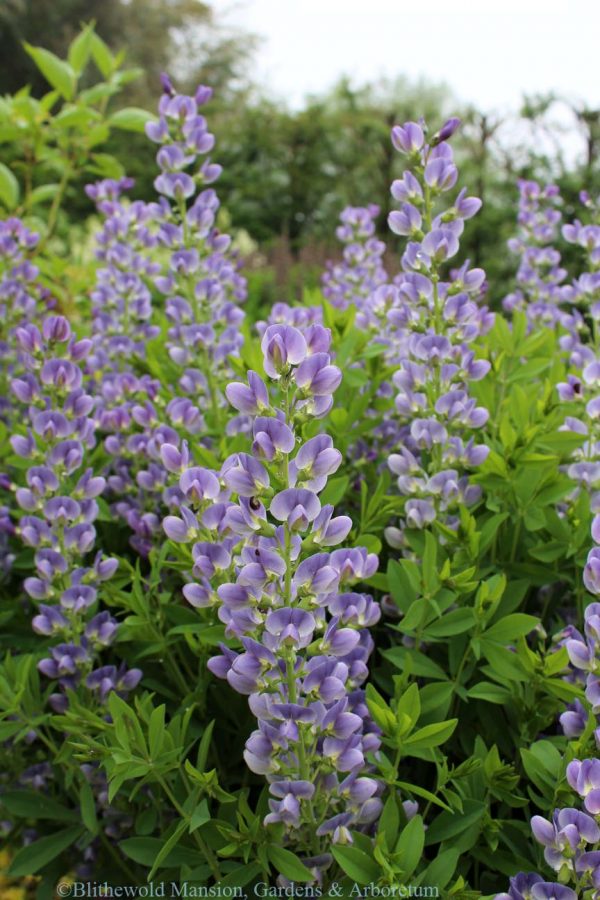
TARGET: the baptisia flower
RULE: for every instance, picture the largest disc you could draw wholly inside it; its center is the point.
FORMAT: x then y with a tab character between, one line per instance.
436	316
124	414
21	296
202	285
541	291
571	842
289	600
585	290
351	281
571	838
59	507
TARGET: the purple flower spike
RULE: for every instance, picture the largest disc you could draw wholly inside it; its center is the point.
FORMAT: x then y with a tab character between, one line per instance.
61	431
430	318
254	539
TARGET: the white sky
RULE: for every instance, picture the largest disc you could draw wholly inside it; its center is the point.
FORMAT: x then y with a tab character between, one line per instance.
488	52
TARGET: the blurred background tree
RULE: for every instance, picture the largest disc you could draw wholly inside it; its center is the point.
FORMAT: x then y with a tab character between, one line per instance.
182	36
289	172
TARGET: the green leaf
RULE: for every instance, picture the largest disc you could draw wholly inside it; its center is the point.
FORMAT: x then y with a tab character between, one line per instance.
335	490
166	848
144	850
409	704
455	622
287	864
9	188
429	563
369	541
389	820
401	585
410	846
422	792
43	193
511	627
487	690
9	729
35	856
417	663
102	56
131	118
240	876
448	825
431	735
380	710
80	50
504	662
440	871
33	805
56	71
88	808
361	867
200	816
204	747
156	731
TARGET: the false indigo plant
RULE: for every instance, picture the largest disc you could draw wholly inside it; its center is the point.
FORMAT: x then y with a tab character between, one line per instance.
437	445
121	328
21	297
59	505
202	285
542	292
350	282
303	629
540	274
571	838
585	289
121	299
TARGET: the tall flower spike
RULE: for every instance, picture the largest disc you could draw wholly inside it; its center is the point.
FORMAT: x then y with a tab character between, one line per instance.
264	561
585	290
126	412
541	291
21	296
121	299
350	282
294	604
59	505
202	286
441	319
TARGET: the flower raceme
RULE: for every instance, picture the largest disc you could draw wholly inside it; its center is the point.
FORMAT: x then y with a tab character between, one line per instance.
350	282
21	297
59	505
202	285
437	320
291	601
124	412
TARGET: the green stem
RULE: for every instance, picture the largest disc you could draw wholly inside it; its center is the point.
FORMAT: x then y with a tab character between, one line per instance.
515	542
120	862
55	208
208	854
